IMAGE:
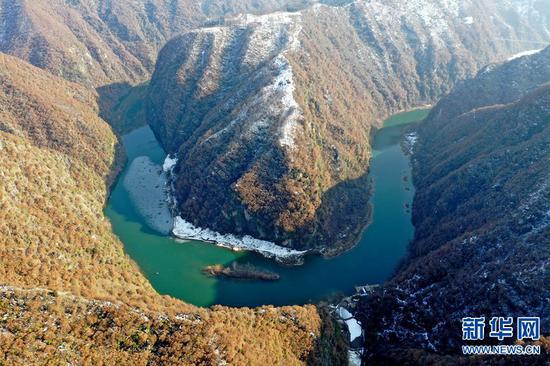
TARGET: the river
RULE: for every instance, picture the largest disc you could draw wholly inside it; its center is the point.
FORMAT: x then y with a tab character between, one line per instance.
174	267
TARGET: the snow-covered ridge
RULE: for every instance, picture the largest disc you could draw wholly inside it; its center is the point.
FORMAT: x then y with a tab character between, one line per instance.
263	42
283	86
185	230
436	18
270	38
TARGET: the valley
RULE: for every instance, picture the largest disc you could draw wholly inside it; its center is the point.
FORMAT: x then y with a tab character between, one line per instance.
200	182
481	213
68	292
174	267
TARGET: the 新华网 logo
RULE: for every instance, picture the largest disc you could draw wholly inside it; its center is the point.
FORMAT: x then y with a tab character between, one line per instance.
501	328
473	329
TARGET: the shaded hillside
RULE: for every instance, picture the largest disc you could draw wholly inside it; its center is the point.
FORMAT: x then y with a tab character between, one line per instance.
492	86
269	113
482	213
477	158
56	156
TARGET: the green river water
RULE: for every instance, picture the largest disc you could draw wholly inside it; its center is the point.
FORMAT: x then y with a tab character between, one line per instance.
174	267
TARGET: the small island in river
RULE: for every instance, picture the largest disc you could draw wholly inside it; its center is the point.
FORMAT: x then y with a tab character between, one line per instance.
241	271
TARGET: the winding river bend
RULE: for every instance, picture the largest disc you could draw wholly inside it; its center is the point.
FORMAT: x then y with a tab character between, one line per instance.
174	267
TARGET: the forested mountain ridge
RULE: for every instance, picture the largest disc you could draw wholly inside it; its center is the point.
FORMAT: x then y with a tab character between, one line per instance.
109	45
482	214
97	43
57	157
93	43
270	116
471	103
493	86
68	292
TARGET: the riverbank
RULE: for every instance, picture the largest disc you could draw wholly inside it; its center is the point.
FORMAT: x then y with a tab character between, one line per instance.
354	223
185	230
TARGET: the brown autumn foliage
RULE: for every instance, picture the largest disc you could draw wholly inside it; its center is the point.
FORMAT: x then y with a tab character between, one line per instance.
94	43
48	327
97	43
55	158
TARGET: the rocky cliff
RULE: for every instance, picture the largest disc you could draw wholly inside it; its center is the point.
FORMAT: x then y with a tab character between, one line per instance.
482	213
270	116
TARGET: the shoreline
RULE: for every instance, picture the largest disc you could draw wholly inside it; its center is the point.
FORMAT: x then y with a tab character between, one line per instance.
187	231
188	258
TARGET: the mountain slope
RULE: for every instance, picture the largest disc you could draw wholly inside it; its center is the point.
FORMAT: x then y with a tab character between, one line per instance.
270	116
93	43
68	292
40	327
97	43
482	213
57	156
470	104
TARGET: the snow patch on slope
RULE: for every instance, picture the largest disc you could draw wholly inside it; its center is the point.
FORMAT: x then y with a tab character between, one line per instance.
536	208
353	325
468	20
525	53
269	39
264	41
169	163
290	112
436	18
